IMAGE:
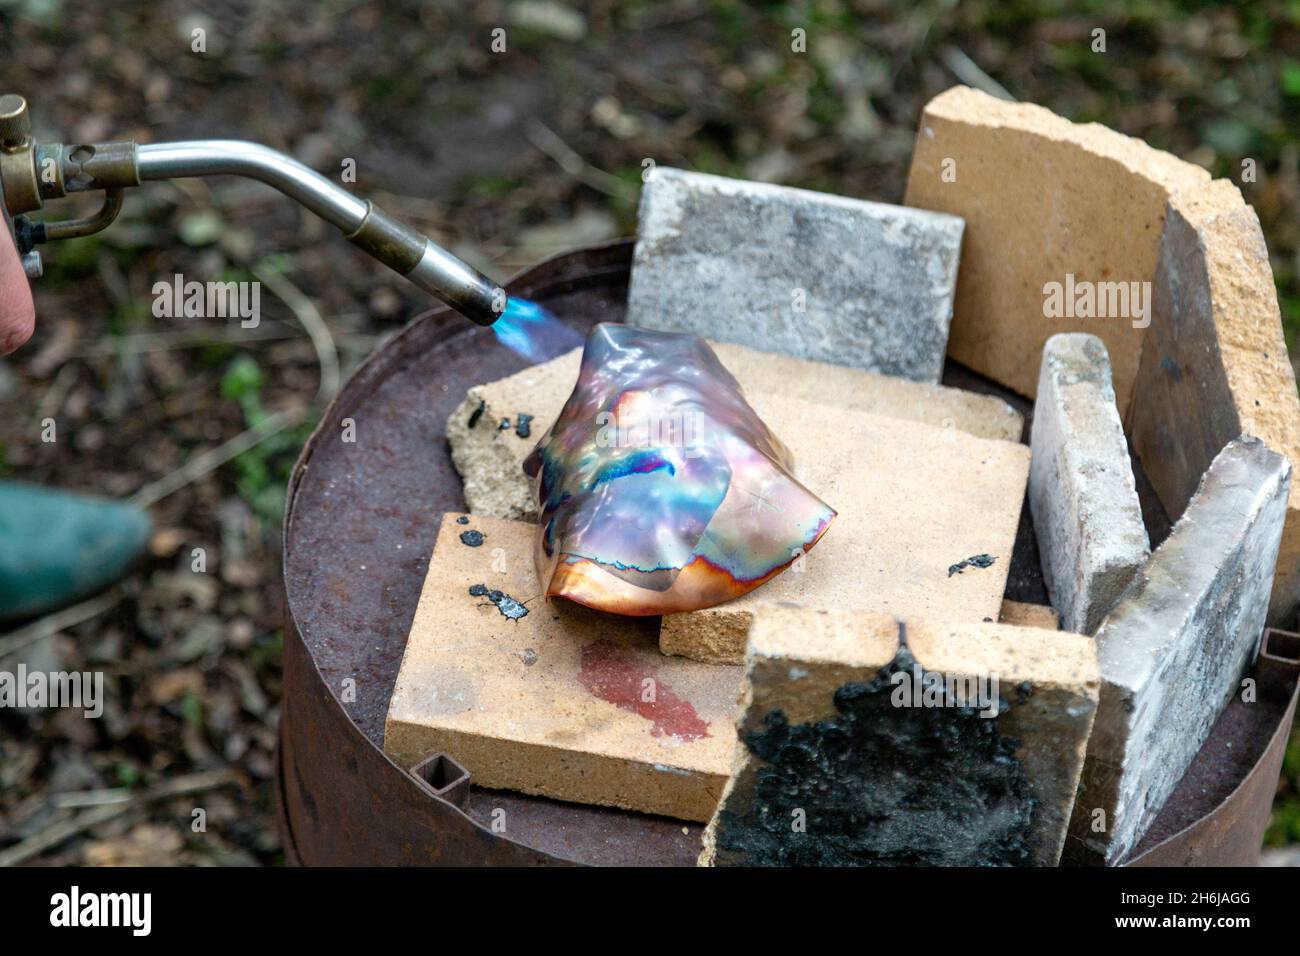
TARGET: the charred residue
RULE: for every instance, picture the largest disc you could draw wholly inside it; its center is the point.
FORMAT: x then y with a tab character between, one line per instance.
472	538
523	425
508	606
475	415
974	561
881	785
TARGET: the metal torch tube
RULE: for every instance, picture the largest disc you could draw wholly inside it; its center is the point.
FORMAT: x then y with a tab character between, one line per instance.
394	243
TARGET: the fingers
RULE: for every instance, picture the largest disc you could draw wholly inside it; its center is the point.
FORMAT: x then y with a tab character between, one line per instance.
17	315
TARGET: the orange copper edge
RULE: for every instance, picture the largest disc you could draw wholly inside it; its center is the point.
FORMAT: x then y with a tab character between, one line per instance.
699	585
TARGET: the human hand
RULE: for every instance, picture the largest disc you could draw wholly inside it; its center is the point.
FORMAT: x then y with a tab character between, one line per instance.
17	314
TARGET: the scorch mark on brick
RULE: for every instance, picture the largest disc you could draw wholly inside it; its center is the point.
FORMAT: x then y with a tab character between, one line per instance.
614	675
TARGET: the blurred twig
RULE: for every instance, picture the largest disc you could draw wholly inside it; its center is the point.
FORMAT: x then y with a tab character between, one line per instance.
59	620
56	833
198	466
306	313
970	73
327	357
52	400
549	142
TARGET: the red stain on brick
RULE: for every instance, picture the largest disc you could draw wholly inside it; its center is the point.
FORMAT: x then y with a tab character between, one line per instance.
619	677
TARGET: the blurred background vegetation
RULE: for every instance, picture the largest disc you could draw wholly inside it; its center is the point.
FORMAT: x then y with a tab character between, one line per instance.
506	158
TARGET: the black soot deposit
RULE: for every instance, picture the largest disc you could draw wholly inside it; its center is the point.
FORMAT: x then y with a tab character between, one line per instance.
974	561
507	605
881	785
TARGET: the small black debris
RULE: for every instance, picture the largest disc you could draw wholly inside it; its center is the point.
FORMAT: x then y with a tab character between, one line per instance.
463	519
510	607
523	425
504	426
975	561
507	605
471	538
475	415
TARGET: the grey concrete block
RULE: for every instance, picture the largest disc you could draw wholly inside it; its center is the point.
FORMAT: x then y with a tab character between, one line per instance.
787	270
1091	538
1174	650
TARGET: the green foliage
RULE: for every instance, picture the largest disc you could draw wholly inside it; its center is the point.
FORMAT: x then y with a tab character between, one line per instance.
243	383
128	773
262	472
489	186
130	316
1291	78
267	652
192	710
71	259
1285	827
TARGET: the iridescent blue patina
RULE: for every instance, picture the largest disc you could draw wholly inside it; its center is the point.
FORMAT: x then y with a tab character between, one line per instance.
660	490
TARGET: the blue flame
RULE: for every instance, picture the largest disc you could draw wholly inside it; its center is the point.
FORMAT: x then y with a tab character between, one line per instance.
531	331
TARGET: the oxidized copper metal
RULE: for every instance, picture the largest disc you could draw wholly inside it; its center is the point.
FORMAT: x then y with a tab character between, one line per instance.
659	488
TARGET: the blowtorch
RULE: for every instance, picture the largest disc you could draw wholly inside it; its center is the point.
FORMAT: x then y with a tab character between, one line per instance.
31	173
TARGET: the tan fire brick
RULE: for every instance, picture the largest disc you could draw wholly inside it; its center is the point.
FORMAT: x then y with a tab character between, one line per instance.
1042	198
1029	615
913	501
1215	364
489	455
563	701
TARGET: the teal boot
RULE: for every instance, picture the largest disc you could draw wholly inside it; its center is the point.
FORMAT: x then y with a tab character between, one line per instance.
56	547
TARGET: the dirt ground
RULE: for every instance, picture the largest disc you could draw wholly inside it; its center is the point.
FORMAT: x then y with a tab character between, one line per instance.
506	157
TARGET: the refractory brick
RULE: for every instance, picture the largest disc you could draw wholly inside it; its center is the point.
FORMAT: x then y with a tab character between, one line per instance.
869	741
1045	201
926	525
488	444
552	698
1214	363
